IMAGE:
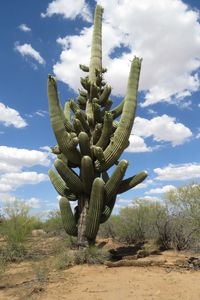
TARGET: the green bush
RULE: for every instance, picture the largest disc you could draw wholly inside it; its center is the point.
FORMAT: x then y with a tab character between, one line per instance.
17	224
53	223
137	223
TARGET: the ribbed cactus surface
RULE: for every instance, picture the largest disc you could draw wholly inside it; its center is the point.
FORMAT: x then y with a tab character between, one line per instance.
89	141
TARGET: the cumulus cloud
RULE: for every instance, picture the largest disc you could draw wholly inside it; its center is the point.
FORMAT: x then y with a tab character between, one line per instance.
68	9
10	116
186	171
163	129
11	181
137	144
26	50
14	159
161	190
33	202
171	59
24	28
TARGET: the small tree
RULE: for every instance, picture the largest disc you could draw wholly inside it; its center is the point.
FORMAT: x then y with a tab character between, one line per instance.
184	210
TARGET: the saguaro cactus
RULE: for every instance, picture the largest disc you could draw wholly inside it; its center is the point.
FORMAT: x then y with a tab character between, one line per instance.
90	139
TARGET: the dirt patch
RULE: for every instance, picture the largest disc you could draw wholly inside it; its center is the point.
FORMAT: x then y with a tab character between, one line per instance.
146	279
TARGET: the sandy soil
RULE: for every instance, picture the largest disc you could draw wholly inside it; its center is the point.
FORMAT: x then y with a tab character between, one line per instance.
95	282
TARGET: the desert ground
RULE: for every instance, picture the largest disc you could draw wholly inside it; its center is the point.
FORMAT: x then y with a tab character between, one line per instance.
156	276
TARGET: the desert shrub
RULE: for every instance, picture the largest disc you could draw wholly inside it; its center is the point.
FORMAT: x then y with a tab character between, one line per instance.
172	222
17	224
110	228
91	255
64	260
53	223
136	223
41	271
3	263
184	211
15	227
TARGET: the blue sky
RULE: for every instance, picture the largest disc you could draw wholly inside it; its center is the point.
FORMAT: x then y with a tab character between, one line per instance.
42	37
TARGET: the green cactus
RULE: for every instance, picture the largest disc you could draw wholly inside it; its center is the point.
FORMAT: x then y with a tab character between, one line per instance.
89	139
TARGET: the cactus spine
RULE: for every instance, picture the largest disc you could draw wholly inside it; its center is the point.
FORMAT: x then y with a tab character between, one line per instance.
92	141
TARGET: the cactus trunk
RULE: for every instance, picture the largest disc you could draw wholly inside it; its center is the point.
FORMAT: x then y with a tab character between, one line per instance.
92	142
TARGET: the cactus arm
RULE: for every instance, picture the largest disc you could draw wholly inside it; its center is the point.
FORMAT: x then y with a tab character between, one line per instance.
73	106
72	141
67	111
106	131
114	181
89	113
96	47
84	68
97	113
87	173
68	126
98	153
95	209
97	133
61	135
72	180
77	126
131	182
107	107
83	93
85	83
82	100
105	95
67	217
60	186
62	157
80	115
84	144
122	133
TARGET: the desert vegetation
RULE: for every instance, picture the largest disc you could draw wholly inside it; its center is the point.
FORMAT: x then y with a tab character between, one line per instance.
142	235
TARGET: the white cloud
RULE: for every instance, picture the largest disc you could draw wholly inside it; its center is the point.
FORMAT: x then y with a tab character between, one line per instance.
41	113
24	27
7	198
161	190
10	116
151	29
27	50
137	144
14	159
178	172
11	181
162	128
123	201
33	202
198	136
68	9
150	198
